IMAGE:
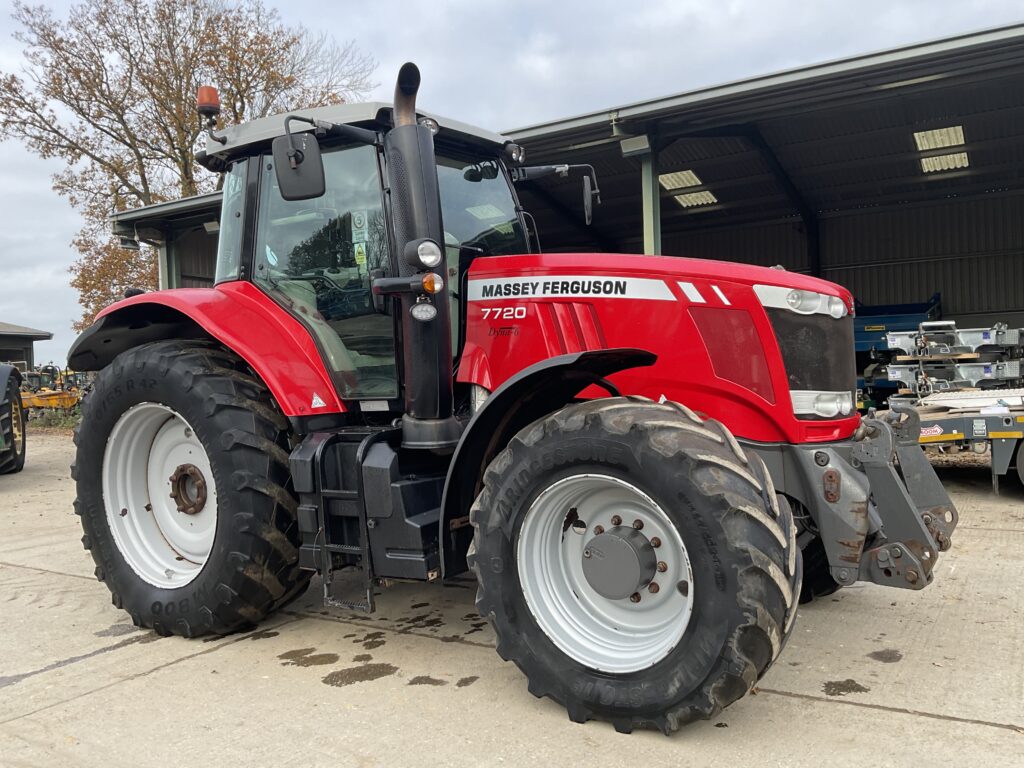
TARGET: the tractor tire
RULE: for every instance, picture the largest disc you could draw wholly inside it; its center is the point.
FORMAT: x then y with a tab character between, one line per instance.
728	562
818	581
12	425
184	490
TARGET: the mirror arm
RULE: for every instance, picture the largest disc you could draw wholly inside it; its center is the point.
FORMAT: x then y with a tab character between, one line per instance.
295	156
362	135
320	129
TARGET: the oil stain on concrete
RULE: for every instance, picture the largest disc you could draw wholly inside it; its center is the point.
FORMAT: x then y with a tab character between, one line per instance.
304	657
466	681
427	680
361	674
887	656
371	640
843	687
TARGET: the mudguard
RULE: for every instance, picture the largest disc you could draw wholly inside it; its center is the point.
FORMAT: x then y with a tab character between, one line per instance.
532	393
238	315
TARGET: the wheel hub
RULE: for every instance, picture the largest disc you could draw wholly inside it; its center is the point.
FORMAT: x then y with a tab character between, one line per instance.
188	489
596	557
160	495
619	562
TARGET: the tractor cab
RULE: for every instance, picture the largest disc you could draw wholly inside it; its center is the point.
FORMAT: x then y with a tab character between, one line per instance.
318	256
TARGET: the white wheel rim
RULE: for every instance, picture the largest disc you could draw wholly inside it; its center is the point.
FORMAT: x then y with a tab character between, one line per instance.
618	636
163	545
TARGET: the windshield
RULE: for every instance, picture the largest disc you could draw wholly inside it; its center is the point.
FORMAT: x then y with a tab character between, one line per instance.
477	206
315	257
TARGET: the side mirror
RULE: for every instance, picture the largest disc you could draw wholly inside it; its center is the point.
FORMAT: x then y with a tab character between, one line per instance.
299	166
588	201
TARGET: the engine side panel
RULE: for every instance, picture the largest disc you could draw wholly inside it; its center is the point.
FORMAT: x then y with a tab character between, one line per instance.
523	309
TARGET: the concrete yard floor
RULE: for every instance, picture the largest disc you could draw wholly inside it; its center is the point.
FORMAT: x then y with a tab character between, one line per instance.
871	676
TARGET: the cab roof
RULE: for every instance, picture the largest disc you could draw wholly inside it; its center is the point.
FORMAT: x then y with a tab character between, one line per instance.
373	114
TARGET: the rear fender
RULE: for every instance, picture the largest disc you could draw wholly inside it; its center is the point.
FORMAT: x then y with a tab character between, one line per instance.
238	315
531	394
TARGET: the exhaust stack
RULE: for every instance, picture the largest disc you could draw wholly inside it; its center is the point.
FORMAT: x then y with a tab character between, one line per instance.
406	88
428	421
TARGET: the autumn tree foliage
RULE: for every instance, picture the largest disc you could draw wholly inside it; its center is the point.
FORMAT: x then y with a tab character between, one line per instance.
110	90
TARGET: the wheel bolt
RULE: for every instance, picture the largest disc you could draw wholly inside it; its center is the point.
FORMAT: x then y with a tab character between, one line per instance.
616	520
662	566
655	542
638	524
635	597
598	529
586	553
653	588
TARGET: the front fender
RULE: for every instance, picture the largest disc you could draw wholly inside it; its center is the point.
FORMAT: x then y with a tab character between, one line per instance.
238	315
534	392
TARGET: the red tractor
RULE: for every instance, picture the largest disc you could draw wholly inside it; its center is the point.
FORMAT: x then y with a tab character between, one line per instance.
640	458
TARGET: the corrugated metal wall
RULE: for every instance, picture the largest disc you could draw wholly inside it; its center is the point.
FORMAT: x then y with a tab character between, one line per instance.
765	244
972	251
194	253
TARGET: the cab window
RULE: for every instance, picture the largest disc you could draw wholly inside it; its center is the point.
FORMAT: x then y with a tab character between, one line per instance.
478	211
315	258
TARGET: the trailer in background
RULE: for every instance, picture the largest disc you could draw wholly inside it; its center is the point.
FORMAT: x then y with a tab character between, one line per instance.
980	421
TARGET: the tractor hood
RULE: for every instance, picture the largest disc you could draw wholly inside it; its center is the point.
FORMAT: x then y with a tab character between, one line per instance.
653	267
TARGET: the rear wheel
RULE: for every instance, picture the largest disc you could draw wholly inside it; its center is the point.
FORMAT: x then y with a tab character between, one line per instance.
12	426
634	562
184	490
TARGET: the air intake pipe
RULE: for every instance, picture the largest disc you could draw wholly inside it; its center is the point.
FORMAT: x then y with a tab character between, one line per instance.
428	421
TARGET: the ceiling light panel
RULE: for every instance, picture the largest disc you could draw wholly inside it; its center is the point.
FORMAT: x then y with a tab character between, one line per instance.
939	138
679	180
951	162
694	199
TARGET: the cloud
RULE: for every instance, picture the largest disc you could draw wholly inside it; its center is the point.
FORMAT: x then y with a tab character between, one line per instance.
503	65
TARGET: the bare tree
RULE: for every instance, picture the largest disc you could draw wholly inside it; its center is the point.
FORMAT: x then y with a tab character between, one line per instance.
111	91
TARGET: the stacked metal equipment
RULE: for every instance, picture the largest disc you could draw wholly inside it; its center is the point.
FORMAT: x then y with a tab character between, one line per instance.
965	387
940	357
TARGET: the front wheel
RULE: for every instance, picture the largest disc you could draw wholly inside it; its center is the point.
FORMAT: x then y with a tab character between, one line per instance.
635	562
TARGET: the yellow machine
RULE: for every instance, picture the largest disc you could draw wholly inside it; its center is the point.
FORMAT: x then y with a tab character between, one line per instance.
49	387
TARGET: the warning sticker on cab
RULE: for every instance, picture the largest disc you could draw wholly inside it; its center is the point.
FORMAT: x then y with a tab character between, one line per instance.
569	287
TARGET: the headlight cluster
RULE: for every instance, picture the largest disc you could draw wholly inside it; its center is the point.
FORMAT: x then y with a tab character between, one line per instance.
810	302
801	301
827	405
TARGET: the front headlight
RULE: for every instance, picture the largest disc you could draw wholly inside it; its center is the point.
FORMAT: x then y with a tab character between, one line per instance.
801	301
826	405
429	254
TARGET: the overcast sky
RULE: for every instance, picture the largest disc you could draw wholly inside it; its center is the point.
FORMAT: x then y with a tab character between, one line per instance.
500	65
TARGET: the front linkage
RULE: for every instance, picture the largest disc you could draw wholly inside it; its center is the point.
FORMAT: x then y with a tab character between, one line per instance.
880	510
